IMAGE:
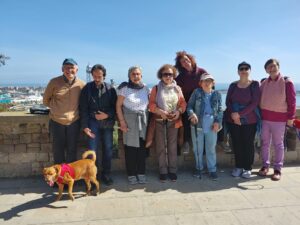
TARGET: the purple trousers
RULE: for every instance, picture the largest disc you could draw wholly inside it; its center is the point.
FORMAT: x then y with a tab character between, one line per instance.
273	131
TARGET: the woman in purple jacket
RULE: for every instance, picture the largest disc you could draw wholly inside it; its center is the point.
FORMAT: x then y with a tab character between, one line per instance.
242	101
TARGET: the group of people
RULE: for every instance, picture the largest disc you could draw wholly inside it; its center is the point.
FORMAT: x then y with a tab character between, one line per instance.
182	109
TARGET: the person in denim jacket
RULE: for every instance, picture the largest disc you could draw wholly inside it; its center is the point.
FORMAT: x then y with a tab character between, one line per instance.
205	113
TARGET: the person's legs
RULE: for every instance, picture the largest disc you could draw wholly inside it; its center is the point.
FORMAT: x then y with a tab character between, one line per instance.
59	140
237	145
72	139
210	147
186	125
160	146
141	158
172	147
106	136
93	143
278	131
185	148
247	135
266	141
130	160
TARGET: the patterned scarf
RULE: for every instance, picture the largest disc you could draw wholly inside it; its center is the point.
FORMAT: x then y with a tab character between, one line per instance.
163	91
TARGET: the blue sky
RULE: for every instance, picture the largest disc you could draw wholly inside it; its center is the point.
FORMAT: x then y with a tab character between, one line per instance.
38	35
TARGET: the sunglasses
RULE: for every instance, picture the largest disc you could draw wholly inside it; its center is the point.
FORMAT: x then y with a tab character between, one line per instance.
243	68
167	74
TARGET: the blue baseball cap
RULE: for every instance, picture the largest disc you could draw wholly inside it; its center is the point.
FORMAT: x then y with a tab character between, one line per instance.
69	61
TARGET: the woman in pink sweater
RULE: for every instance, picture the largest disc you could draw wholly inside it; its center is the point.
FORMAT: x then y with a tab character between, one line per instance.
278	108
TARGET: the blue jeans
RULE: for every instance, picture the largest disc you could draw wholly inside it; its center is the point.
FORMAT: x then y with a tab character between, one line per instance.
210	140
105	137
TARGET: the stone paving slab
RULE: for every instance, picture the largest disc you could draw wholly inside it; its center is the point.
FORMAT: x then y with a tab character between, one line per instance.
187	201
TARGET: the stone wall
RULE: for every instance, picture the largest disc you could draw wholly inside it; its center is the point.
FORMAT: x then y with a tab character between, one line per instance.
25	148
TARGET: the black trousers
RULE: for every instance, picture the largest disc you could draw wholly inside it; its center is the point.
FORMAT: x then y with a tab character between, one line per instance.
187	127
243	144
135	159
65	137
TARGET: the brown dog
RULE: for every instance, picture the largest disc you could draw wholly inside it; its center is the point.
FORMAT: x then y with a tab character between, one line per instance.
68	173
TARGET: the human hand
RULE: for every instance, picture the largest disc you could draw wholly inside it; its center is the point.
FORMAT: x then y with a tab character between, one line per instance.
89	132
290	123
193	118
235	116
123	126
164	114
215	127
237	122
175	115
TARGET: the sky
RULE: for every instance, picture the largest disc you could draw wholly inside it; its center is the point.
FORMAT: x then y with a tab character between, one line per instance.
38	35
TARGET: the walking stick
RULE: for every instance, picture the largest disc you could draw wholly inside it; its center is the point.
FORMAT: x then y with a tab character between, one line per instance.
197	146
165	122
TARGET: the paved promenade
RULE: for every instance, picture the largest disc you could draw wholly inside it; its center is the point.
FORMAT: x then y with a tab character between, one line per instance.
188	201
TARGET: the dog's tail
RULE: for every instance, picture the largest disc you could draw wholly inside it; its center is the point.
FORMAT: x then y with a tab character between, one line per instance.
86	154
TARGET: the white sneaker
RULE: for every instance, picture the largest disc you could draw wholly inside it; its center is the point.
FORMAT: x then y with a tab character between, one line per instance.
246	174
142	178
236	172
132	180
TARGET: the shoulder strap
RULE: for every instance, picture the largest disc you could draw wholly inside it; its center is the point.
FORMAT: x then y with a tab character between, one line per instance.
285	78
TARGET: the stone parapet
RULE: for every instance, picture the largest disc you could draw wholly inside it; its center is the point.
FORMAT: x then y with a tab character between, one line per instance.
25	148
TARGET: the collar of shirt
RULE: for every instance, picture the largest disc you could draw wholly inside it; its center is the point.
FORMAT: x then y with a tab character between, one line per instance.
67	81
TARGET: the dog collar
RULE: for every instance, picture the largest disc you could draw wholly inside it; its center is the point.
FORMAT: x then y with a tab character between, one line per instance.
65	168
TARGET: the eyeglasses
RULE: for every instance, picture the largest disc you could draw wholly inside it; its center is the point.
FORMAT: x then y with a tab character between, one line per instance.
243	68
167	74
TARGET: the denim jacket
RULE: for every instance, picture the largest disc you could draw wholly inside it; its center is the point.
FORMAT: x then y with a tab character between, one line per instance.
196	105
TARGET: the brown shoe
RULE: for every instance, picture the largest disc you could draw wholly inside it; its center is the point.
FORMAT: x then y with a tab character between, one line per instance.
276	176
263	171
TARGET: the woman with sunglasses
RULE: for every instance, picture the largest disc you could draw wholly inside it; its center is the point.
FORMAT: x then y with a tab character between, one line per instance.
167	104
242	101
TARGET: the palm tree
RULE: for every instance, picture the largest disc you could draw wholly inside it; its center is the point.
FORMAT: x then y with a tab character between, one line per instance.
3	58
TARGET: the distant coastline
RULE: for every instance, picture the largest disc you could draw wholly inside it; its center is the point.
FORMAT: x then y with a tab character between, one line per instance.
223	87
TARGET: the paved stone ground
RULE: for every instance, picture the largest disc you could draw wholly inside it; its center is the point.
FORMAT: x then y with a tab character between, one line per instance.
188	201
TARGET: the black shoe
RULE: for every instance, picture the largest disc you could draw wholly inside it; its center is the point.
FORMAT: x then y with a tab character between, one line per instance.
106	180
173	177
163	178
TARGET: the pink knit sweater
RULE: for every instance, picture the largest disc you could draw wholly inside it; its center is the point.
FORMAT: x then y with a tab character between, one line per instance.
278	99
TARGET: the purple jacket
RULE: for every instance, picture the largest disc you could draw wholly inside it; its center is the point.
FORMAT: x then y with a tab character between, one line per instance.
248	97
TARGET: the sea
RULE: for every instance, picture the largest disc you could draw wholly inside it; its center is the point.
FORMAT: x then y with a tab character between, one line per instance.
223	87
219	86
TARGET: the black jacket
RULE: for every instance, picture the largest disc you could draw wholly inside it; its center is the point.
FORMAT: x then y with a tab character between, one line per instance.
91	103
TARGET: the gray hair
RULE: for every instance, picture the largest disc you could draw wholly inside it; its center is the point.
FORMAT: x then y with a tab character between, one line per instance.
132	68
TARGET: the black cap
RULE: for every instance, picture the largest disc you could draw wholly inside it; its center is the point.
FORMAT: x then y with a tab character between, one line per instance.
244	64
